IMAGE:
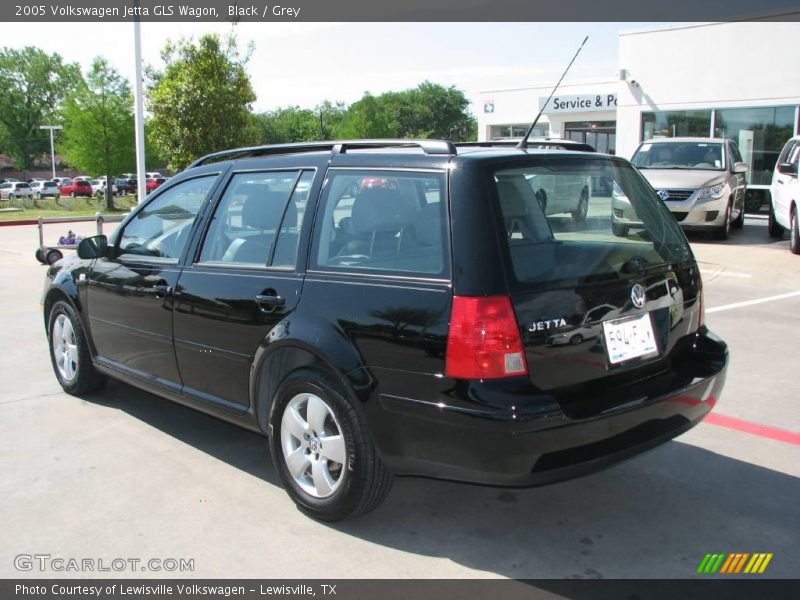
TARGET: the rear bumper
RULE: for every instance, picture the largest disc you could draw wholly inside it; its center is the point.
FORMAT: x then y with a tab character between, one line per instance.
537	445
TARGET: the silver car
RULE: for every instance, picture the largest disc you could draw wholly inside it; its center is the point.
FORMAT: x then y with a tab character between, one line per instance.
701	180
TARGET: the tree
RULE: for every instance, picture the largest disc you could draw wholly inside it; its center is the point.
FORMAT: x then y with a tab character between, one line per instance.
428	111
33	86
200	102
98	132
295	124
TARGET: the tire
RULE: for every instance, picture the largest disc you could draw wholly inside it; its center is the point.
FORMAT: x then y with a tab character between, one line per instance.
619	230
53	256
322	487
39	254
72	194
575	339
11	196
579	215
38	195
773	227
739	222
69	352
723	232
794	233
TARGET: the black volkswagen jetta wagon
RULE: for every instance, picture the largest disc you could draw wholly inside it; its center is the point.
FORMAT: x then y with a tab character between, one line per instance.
400	307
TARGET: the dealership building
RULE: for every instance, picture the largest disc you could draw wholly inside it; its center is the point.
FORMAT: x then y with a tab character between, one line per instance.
736	80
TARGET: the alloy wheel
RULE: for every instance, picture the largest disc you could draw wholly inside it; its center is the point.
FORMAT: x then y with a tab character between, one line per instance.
65	347
313	445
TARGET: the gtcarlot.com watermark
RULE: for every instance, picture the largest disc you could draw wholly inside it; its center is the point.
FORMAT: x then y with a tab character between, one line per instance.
67	564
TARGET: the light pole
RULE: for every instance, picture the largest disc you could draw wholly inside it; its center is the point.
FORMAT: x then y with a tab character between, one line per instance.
138	106
52	147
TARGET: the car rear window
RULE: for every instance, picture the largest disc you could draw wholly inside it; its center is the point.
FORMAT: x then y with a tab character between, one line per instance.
576	218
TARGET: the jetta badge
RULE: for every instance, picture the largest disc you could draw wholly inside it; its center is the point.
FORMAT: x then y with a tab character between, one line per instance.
663	194
638	295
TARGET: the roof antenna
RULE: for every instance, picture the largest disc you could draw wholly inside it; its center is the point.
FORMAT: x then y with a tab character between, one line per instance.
523	143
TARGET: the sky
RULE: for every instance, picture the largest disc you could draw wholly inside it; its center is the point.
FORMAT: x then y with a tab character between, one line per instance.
302	64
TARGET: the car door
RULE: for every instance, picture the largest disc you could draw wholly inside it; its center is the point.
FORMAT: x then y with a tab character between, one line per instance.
784	182
130	293
245	278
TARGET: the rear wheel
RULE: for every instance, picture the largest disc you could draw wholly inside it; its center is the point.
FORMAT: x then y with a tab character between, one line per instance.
774	228
321	449
794	234
69	352
40	255
72	194
723	232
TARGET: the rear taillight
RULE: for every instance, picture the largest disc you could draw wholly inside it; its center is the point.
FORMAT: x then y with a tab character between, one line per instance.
484	341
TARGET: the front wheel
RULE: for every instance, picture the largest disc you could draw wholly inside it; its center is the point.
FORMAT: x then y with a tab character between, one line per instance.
72	194
794	234
321	449
723	232
739	222
69	352
774	228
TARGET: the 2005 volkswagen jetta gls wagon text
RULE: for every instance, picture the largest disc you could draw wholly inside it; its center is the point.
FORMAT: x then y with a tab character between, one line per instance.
399	307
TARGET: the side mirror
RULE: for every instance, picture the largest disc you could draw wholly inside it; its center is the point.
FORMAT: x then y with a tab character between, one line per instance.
740	167
93	247
788	168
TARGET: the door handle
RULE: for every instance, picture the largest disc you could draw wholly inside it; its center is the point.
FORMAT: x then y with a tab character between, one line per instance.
162	290
780	181
269	302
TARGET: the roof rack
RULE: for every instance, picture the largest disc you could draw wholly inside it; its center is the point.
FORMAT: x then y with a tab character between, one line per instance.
334	147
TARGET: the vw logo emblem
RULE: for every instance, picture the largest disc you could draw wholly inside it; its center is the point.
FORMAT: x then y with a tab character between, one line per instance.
663	194
638	296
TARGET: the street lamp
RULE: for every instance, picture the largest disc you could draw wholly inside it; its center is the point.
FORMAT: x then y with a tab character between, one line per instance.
52	147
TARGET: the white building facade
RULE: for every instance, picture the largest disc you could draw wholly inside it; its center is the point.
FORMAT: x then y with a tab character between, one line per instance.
737	80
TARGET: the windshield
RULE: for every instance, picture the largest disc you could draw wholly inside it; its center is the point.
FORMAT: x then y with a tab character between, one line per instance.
708	156
568	218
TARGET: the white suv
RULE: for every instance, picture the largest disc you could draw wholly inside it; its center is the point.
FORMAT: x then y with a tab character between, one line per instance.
785	193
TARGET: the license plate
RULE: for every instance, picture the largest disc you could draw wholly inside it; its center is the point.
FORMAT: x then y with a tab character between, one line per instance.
629	338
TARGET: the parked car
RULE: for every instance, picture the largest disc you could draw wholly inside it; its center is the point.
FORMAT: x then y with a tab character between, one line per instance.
401	331
785	192
15	189
152	184
82	178
99	188
701	180
62	180
121	185
153	175
76	187
45	189
130	186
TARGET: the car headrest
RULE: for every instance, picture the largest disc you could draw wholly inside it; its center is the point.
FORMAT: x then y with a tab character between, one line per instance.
262	208
512	201
382	209
428	225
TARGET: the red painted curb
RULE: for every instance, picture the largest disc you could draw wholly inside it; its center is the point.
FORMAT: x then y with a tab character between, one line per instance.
773	433
22	222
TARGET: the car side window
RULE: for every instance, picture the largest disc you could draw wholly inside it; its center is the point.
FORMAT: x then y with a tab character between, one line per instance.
256	210
161	229
385	222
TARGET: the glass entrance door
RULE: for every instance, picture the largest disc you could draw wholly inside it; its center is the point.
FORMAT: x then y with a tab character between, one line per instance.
601	135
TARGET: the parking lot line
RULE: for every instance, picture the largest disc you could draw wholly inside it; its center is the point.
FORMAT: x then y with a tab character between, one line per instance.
751	302
773	433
